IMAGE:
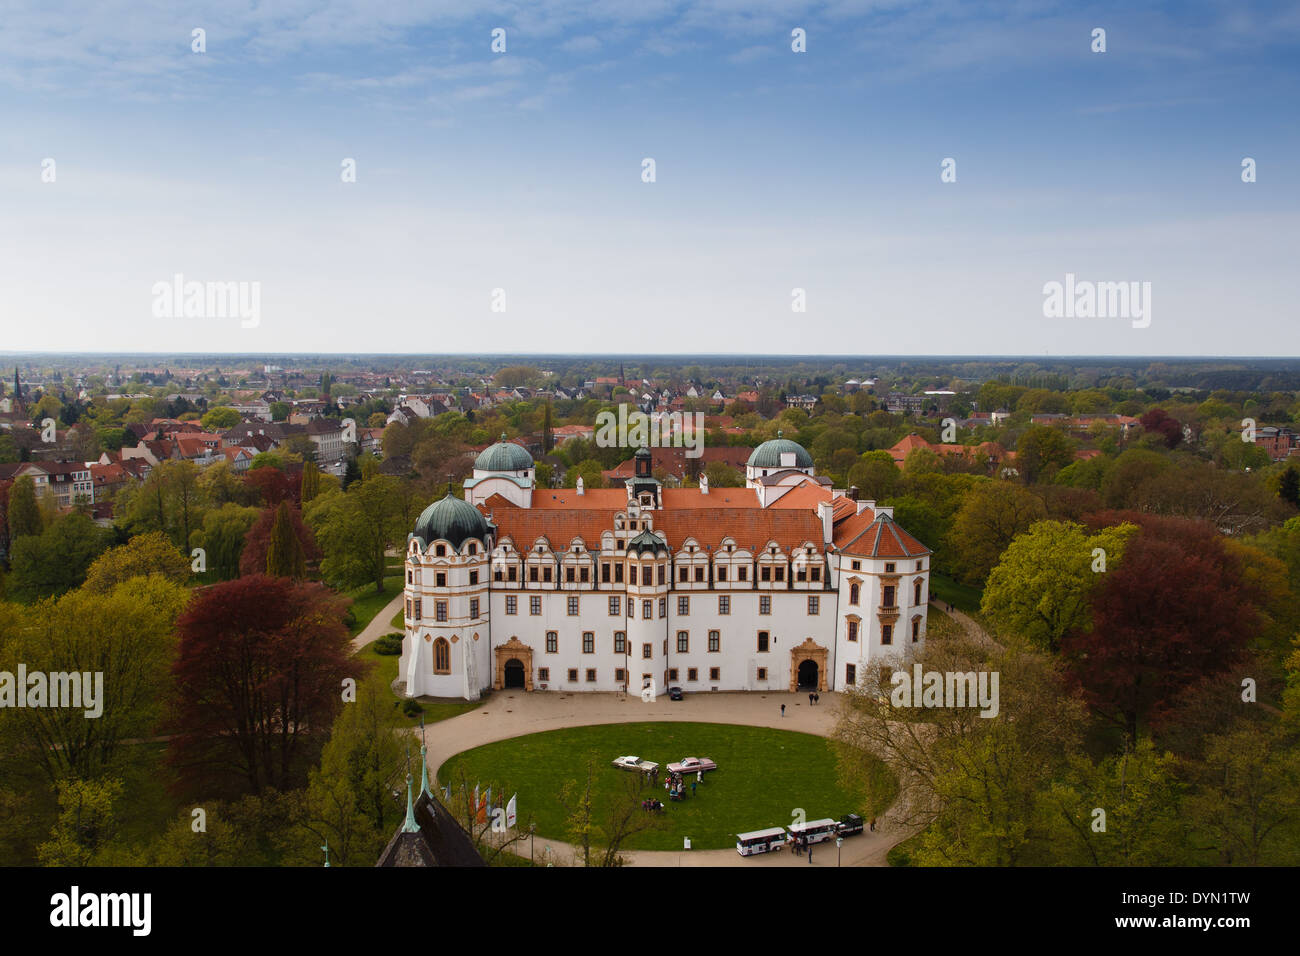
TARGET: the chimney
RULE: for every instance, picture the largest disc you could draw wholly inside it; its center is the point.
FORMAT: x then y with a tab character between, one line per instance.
825	509
870	503
853	492
579	486
887	511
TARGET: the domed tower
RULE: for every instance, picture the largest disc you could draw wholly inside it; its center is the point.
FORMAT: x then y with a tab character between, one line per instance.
777	457
643	488
505	469
649	579
446	650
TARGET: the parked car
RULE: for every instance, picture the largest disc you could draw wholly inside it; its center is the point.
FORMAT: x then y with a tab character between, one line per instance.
850	824
635	763
692	765
675	693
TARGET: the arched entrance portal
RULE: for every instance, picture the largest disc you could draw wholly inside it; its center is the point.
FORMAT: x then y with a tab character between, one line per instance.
807	675
513	665
808	666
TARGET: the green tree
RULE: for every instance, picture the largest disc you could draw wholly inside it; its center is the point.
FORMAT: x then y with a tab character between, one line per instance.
88	823
57	559
1040	588
991	515
355	528
1041	452
284	557
24	513
220	418
310	486
144	554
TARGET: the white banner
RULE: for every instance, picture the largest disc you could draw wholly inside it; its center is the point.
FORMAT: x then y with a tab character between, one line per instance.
511	811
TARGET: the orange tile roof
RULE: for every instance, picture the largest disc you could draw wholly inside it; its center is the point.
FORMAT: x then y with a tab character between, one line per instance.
807	496
876	536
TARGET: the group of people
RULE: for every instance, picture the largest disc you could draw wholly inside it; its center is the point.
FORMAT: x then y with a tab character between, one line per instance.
652	806
676	786
814	699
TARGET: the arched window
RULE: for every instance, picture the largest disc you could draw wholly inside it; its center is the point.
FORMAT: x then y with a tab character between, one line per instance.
855	592
441	656
916	592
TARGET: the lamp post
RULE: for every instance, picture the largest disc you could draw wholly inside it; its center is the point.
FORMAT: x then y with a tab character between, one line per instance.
839	842
532	842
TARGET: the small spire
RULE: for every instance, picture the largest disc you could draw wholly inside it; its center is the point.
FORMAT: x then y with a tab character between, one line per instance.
503	436
779	433
326	848
410	826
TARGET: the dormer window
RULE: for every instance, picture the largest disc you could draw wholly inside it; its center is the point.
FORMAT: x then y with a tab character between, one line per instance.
440	551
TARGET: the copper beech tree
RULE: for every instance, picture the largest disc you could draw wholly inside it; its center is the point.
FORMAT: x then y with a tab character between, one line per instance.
260	677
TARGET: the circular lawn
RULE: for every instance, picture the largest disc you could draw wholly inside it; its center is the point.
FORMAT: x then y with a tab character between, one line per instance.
764	778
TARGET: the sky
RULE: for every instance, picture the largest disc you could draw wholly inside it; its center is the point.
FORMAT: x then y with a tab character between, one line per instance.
500	205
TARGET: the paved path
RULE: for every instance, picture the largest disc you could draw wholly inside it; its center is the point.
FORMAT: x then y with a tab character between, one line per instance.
515	713
380	624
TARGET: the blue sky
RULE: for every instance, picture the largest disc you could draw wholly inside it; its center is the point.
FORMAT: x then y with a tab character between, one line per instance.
775	170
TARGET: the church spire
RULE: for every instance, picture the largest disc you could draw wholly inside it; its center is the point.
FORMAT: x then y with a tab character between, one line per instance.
424	763
410	826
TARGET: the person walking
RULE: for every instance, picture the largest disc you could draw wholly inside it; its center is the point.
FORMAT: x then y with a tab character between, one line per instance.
692	788
873	824
783	710
809	852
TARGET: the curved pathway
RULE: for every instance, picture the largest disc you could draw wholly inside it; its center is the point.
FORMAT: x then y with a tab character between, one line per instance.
514	713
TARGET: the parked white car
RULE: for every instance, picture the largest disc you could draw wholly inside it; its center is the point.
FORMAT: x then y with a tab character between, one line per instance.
636	763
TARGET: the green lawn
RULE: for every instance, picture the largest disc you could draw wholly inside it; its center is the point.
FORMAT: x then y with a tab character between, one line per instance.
366	603
398	623
764	776
961	596
434	710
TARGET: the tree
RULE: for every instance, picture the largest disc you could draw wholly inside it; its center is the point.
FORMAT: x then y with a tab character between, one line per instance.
144	554
56	560
222	538
991	515
356	528
600	832
273	484
1289	485
1176	609
284	552
88	823
1041	452
722	475
280	411
310	486
220	418
24	512
259	678
125	634
590	470
1160	422
874	475
1041	587
255	555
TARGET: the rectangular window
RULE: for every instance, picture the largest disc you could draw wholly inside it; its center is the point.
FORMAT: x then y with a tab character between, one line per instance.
440	579
816	573
409	613
473	577
510	573
724	603
618	574
440	610
715	641
410	576
552	642
419	607
683	642
473	608
692	673
699	574
647	609
800	574
584	575
682	574
715	673
532	573
620	675
762	673
889	567
546	574
722	572
661	574
604	572
620	642
512	604
765	573
647	651
683	606
886	634
663	607
631	574
573	674
496	574
615	606
672	673
535	604
857	565
543	674
762	642
589	642
764	604
568	574
850	673
591	675
916	630
665	647
814	604
573	607
779	573
888	600
742	573
853	630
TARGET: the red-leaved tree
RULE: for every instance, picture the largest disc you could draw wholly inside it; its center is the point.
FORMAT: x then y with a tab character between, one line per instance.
252	560
259	680
1176	609
274	485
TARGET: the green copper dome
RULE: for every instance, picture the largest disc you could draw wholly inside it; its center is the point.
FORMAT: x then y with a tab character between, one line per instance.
503	456
451	519
768	454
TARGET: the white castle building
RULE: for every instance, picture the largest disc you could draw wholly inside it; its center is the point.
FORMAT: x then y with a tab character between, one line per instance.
780	585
